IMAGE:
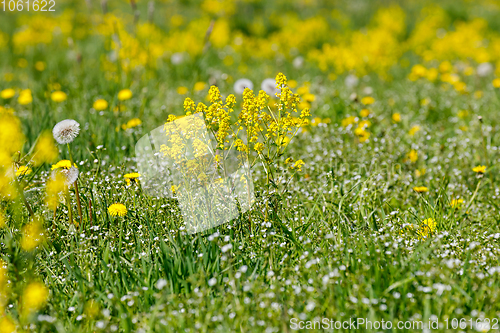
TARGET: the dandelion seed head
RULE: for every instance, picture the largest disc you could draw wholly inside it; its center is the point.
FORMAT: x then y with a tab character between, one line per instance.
66	131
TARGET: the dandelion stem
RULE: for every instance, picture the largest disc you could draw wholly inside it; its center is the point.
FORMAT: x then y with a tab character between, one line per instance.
68	204
78	202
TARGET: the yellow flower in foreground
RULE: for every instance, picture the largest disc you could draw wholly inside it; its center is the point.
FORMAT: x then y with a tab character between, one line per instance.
2	224
396	117
132	177
368	100
25	97
32	235
34	297
58	96
7	325
496	83
480	169
124	94
45	149
40	66
117	209
64	164
7	93
100	104
456	203
420	189
55	187
298	165
349	121
23	171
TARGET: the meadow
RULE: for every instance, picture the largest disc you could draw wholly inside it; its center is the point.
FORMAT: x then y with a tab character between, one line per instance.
371	133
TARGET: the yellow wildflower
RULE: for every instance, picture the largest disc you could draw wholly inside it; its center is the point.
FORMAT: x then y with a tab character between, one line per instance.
58	96
25	97
132	177
420	189
23	171
396	117
45	149
64	164
367	100
124	94
199	86
480	169
414	130
34	297
182	90
456	203
496	83
413	155
117	209
7	93
100	105
32	235
364	113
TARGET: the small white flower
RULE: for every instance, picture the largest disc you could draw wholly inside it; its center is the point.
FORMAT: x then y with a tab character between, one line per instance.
298	62
351	80
177	58
66	131
241	84
269	86
484	69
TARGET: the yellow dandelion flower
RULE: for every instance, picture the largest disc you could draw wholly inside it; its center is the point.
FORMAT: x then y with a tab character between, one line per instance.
25	97
40	66
413	155
420	189
480	169
7	325
199	86
364	113
124	94
496	83
427	227
131	177
117	209
182	90
7	93
367	100
396	117
63	164
100	105
456	203
23	171
414	130
58	96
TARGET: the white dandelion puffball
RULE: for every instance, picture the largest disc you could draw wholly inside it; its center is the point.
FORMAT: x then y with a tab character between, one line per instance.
71	175
241	84
66	131
351	80
484	69
269	86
